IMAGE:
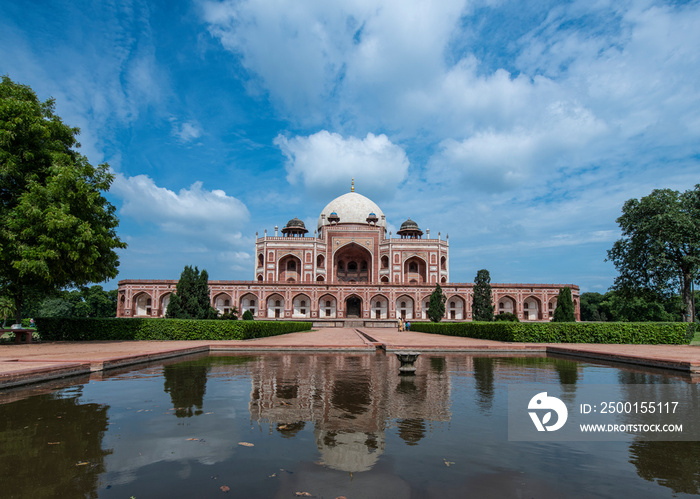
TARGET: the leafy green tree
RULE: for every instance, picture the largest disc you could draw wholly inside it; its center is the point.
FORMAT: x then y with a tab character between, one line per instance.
7	309
482	308
565	307
436	305
590	307
56	228
57	307
248	316
191	299
99	303
85	302
639	306
660	247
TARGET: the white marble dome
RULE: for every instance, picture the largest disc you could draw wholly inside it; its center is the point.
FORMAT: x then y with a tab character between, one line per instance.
352	208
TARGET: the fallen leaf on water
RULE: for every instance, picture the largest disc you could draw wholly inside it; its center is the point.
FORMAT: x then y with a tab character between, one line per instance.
302	494
225	488
272	476
191	439
282	427
82	463
447	463
54	443
246	444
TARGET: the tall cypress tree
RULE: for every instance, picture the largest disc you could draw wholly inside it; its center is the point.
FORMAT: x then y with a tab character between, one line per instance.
565	307
482	308
191	299
436	306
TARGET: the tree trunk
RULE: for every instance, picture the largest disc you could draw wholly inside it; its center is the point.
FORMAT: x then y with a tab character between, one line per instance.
687	295
18	306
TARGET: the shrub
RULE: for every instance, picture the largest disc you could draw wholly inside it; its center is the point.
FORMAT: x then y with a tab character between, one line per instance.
507	317
482	306
565	307
80	329
248	315
568	332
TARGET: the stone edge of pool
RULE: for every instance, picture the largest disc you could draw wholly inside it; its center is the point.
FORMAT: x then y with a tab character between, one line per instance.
33	363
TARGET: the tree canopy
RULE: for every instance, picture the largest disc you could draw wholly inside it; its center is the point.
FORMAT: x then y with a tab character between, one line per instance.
482	307
565	307
436	305
659	252
85	302
616	306
191	299
56	228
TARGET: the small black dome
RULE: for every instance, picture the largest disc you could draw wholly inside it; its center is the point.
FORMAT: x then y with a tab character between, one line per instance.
409	225
295	223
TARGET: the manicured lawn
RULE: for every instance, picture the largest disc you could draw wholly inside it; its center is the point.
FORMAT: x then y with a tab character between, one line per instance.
696	338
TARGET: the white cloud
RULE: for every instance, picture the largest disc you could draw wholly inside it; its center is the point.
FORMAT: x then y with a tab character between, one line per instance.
327	161
498	161
187	131
190	211
316	51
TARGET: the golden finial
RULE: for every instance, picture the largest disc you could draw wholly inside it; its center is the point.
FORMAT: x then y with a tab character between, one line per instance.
352	186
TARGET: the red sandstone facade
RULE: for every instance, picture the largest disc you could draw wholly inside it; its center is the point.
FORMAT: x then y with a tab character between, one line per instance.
350	269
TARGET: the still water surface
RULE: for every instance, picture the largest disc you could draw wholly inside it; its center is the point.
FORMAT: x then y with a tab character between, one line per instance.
323	424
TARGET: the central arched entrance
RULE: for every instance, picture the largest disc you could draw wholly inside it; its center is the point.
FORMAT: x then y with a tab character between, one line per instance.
353	263
353	307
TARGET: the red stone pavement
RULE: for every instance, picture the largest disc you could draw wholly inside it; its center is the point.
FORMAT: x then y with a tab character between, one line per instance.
29	363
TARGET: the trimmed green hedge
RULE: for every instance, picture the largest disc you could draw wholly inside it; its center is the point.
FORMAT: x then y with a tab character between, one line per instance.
677	333
57	329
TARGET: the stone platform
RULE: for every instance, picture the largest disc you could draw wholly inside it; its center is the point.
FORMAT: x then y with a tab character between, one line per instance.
35	362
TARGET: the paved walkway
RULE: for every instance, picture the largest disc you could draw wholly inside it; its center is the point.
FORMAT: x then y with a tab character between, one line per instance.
30	363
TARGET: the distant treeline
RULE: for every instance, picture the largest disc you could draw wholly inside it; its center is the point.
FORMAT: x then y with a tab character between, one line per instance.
84	302
618	306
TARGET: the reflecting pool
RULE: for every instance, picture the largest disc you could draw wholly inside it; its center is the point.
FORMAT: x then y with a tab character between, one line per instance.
324	425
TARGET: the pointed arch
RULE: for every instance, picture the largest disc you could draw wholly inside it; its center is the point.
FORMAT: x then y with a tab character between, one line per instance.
289	268
455	307
353	263
506	305
532	308
249	301
142	305
163	304
405	307
222	302
415	270
327	307
301	306
379	305
353	306
275	306
551	306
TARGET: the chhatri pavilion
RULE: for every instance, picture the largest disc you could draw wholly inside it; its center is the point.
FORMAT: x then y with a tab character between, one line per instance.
351	272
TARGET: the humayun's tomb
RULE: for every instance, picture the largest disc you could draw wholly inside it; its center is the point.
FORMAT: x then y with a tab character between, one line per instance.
349	273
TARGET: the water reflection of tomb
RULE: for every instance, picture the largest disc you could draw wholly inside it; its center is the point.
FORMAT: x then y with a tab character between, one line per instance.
351	400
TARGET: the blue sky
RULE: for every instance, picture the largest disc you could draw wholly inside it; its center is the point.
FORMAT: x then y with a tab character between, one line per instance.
518	128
